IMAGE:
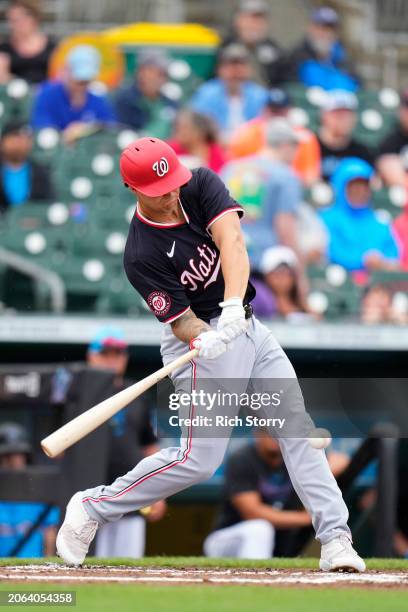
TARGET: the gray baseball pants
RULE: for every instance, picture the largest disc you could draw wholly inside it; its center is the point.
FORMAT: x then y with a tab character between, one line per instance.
255	358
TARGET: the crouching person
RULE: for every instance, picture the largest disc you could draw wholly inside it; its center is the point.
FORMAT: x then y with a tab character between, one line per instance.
257	487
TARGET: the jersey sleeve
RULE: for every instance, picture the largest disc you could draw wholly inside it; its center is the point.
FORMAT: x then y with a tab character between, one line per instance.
215	199
160	289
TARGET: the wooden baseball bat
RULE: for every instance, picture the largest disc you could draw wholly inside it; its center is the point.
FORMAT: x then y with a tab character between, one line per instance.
88	421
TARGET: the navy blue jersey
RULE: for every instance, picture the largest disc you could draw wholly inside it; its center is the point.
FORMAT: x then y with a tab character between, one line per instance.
176	266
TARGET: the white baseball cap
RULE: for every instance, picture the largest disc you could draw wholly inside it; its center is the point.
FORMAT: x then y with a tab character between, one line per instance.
275	256
280	131
340	99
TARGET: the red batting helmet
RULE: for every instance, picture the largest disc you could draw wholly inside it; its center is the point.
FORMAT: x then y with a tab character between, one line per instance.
150	166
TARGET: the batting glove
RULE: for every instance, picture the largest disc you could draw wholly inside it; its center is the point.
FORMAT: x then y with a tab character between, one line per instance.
209	345
232	322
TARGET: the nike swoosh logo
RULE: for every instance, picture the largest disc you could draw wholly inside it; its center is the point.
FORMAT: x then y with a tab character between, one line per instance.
171	252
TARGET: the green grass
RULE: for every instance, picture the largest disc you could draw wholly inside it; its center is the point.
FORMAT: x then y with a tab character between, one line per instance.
218	598
180	562
138	597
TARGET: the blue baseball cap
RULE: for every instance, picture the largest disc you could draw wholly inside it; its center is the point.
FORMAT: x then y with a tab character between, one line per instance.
84	63
108	337
326	16
277	98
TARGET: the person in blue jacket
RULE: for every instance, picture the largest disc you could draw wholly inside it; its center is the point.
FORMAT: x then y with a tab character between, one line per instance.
68	105
358	239
320	60
232	97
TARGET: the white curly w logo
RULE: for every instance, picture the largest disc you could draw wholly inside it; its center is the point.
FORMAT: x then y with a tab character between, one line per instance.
161	167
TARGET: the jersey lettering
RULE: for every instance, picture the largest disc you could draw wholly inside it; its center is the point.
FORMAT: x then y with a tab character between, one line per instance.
203	269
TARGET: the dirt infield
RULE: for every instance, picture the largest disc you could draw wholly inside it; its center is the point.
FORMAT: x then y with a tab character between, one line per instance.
53	573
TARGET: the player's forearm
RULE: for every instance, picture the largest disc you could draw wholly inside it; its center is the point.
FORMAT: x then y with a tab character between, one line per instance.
188	326
234	264
280	519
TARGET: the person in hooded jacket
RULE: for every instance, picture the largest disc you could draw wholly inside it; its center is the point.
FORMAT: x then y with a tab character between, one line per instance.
358	239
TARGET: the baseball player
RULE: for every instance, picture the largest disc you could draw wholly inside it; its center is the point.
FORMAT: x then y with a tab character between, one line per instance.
186	256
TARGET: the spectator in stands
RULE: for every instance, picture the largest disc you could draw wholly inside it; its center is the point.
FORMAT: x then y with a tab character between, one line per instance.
278	291
195	138
400	227
392	161
18	517
376	305
21	178
28	48
358	239
142	105
256	489
232	97
335	135
321	60
69	105
131	439
268	189
251	28
5	65
251	136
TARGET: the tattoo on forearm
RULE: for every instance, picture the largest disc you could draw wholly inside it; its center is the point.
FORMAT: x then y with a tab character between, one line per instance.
188	326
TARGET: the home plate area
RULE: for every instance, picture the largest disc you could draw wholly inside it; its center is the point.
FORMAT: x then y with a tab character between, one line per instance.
263	577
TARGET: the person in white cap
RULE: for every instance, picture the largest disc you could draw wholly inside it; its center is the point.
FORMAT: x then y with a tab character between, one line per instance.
279	292
69	105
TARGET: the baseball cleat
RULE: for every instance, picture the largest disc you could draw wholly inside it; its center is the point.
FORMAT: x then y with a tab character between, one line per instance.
339	555
76	532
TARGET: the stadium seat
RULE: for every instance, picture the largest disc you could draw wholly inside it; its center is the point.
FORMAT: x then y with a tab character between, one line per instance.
373	126
38	243
111	214
397	280
121	298
392	200
33	215
333	292
84	280
15	101
96	242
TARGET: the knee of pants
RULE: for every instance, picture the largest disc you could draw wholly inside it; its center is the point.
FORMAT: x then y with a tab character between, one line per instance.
204	463
261	530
